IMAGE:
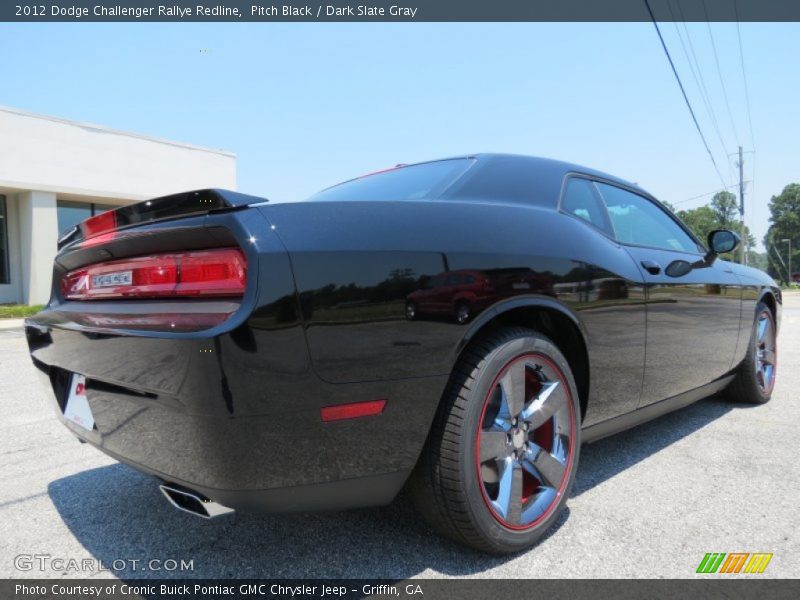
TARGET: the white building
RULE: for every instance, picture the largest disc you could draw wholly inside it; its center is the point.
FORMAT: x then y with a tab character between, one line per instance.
55	173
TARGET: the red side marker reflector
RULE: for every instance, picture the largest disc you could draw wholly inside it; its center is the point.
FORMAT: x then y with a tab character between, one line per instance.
353	410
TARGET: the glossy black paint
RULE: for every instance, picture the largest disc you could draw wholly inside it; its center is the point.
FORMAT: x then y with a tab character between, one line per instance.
371	338
234	411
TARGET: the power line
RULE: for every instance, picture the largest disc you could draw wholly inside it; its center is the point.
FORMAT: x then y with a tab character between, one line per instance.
719	73
746	95
706	103
696	61
727	187
683	91
697	73
744	76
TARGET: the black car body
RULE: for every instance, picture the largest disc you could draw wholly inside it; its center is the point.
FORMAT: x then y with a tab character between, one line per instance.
226	396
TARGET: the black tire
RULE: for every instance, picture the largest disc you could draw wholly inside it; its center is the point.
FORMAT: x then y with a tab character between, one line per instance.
752	385
452	484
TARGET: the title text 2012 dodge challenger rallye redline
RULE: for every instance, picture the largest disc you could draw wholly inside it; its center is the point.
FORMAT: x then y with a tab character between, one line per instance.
458	326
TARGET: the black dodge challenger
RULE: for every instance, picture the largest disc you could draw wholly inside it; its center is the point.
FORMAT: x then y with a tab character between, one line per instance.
458	327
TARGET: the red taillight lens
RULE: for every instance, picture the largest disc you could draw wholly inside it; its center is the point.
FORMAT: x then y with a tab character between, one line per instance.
204	273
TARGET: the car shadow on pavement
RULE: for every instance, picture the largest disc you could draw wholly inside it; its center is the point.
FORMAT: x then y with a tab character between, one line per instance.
607	457
117	514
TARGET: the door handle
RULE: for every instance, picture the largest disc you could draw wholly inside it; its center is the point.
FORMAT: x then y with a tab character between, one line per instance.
651	267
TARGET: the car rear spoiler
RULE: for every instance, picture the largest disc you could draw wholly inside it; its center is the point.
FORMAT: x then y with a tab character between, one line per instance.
185	204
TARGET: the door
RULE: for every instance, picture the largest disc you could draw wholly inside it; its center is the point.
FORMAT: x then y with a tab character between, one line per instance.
440	293
454	285
693	320
428	299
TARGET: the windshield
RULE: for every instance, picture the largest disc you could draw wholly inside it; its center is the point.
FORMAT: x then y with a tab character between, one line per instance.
423	180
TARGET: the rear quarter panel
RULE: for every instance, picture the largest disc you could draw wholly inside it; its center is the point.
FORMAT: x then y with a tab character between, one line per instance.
355	263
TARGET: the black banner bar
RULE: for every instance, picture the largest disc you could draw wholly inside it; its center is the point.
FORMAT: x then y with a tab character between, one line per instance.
397	10
707	587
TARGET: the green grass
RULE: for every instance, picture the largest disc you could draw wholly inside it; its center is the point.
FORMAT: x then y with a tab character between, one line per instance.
18	311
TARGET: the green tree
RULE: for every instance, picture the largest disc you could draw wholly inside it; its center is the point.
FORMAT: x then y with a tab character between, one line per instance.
721	213
726	210
784	225
757	260
700	220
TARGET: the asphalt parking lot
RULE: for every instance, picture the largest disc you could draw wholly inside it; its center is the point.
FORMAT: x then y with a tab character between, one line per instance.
650	502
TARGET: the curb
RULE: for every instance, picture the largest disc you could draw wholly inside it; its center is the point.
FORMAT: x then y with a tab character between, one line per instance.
6	324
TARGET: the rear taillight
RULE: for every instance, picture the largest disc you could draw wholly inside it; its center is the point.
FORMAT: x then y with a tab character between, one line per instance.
204	273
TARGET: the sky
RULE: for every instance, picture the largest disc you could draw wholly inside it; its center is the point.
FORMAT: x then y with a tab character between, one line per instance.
306	105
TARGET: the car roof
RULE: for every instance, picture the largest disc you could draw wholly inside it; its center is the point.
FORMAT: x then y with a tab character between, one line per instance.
549	173
548	166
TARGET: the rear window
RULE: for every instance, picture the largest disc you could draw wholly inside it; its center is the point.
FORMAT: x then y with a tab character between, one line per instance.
424	180
507	178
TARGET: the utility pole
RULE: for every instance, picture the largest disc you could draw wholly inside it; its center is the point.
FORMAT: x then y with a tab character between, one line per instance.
741	207
788	242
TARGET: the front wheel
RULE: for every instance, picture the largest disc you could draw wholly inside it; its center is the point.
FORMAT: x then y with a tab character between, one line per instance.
755	378
502	455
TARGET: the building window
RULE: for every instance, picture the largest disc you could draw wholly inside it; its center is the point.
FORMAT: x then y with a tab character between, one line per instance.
71	213
4	274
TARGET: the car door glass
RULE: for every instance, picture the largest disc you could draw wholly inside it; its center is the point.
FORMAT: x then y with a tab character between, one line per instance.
582	200
639	221
434	283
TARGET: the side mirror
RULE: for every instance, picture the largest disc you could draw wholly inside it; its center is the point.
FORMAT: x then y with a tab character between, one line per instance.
721	241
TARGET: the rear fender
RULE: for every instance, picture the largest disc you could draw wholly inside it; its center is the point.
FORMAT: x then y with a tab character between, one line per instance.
512	304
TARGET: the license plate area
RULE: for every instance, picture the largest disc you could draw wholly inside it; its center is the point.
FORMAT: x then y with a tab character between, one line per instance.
115	279
76	408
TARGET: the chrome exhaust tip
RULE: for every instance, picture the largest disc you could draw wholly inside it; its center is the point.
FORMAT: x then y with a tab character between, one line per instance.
193	502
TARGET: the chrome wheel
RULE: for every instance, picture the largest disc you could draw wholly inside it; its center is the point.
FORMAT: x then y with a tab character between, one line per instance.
766	352
525	441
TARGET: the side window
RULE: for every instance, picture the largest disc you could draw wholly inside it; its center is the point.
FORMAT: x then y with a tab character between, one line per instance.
4	275
582	200
436	282
453	279
639	221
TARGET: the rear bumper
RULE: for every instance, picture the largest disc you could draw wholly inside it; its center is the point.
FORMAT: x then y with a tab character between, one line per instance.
236	415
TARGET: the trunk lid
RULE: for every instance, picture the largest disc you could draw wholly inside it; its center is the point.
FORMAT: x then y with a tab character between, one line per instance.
104	227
